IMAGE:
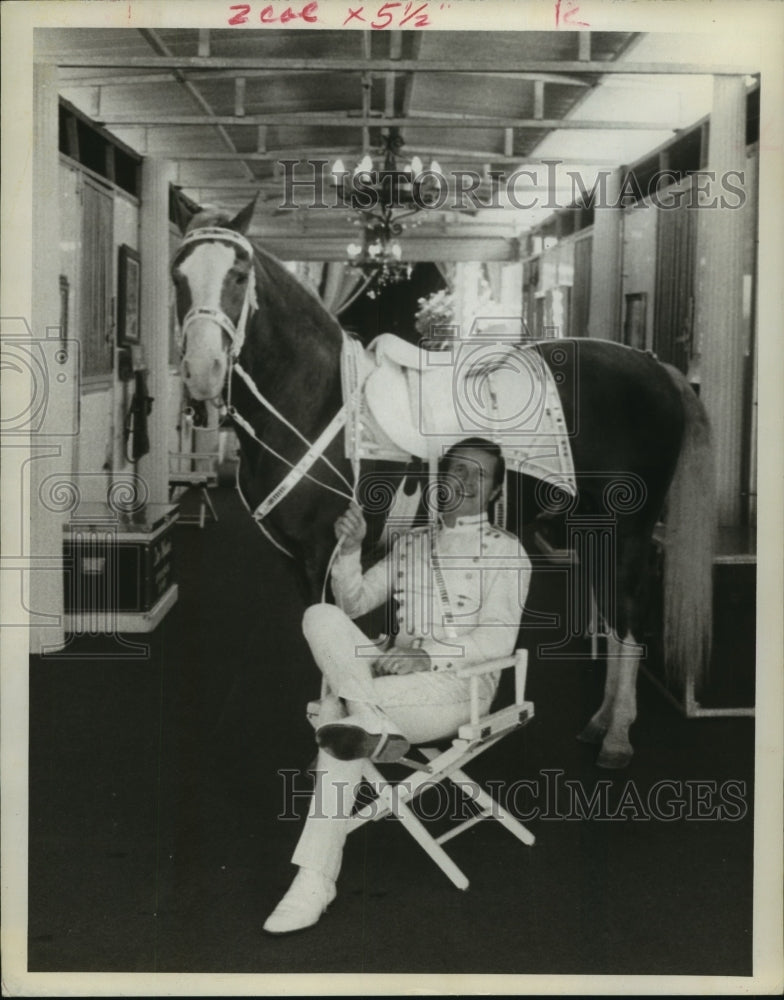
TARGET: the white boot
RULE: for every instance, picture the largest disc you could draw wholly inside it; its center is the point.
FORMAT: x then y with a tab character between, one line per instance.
308	897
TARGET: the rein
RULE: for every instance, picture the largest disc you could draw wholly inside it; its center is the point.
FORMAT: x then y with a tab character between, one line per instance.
236	333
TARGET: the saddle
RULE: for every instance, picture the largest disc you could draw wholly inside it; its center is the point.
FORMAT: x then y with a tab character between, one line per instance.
421	402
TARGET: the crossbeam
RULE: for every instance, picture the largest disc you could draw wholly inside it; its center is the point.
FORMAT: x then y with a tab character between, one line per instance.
320	153
331	119
348	65
145	78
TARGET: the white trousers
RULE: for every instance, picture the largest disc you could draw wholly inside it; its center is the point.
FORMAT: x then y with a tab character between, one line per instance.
424	706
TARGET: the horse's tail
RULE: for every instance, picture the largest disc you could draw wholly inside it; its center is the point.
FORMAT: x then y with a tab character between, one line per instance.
690	539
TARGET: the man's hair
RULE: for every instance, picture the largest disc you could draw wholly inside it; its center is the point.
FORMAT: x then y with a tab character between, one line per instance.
490	448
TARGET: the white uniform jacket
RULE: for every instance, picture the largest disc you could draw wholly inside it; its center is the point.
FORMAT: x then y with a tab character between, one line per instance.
462	607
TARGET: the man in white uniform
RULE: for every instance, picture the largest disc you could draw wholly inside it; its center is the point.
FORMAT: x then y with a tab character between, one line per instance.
460	591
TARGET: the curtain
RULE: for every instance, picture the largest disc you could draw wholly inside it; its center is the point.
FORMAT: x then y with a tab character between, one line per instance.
341	284
581	287
97	280
676	234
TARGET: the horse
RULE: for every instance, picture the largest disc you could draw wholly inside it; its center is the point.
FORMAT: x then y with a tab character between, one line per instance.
255	339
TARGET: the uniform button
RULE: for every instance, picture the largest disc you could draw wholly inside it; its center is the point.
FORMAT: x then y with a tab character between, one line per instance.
400	574
476	558
461	604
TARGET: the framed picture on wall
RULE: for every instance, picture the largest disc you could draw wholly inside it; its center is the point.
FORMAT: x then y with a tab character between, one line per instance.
128	294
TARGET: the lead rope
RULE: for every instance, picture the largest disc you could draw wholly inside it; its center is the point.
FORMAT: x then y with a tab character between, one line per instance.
351	393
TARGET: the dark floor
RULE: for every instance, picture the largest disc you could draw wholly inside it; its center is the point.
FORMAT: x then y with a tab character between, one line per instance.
154	791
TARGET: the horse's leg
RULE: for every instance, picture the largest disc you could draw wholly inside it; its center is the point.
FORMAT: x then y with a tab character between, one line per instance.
599	723
623	659
619	707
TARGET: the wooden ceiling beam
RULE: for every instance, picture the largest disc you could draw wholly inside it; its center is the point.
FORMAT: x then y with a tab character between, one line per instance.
336	64
144	78
446	155
429	248
208	118
343	120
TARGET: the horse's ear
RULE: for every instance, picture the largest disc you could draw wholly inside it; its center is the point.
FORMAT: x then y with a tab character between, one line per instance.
182	211
241	220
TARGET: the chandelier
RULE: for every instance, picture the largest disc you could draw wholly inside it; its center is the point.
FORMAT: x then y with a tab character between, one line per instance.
384	194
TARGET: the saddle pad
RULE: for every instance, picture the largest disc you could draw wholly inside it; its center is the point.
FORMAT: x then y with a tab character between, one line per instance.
498	391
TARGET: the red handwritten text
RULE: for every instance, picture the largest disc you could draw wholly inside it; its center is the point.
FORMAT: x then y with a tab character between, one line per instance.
568	14
269	15
412	15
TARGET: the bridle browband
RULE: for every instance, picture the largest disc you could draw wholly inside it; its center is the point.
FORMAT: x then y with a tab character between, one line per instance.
235	333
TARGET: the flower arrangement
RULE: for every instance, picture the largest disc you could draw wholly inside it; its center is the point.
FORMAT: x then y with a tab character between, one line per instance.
434	311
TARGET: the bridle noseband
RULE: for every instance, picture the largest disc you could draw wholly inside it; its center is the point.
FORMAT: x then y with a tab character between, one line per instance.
235	332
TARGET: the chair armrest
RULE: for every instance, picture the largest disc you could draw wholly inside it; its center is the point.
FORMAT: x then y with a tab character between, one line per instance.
473	672
487	667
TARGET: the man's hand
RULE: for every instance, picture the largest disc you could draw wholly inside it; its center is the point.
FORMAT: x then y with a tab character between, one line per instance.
350	529
402	661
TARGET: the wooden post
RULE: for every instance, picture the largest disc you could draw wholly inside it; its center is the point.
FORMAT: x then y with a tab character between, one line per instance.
51	440
718	306
604	320
154	253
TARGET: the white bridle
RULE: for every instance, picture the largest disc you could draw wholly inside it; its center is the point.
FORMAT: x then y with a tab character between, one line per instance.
235	333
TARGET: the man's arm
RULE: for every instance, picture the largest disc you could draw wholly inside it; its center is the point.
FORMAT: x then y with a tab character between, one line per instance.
355	593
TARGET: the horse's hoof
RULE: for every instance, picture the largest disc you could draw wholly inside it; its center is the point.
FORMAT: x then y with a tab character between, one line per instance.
613	760
593	733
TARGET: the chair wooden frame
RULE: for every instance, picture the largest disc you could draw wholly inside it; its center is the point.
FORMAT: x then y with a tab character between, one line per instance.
191	477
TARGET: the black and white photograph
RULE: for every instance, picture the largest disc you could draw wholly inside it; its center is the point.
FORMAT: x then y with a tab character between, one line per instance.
391	476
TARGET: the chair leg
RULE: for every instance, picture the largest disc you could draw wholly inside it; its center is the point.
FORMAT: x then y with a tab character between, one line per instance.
415	827
209	504
428	844
494	809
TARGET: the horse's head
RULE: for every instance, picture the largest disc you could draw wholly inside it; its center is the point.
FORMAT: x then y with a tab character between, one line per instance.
214	277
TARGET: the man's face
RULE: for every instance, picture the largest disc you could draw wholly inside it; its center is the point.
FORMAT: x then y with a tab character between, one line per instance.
469	472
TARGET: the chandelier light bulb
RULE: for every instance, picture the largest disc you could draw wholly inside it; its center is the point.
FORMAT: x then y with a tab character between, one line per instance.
435	166
416	166
354	250
365	164
338	169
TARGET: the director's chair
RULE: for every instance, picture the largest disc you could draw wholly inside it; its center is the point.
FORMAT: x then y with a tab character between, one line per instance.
473	738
